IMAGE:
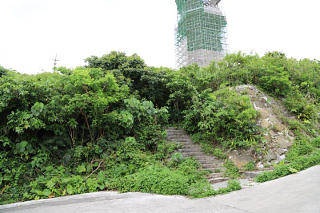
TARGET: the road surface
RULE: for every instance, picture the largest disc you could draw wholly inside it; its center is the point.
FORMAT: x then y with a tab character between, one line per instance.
298	193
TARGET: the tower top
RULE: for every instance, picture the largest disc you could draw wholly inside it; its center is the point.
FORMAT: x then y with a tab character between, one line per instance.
201	32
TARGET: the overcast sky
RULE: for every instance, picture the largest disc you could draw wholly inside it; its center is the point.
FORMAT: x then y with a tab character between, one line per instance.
34	31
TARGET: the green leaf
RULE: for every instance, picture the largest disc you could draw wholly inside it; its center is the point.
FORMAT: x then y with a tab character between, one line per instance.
46	192
21	147
81	168
70	189
293	170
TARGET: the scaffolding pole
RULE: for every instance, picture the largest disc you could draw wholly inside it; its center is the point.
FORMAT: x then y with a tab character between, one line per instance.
201	32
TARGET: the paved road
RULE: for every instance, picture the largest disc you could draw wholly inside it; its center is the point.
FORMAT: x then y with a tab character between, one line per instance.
298	193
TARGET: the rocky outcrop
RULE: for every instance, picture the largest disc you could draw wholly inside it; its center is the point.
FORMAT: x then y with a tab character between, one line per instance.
276	134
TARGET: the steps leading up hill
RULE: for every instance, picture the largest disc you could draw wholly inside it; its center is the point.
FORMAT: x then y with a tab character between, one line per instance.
190	149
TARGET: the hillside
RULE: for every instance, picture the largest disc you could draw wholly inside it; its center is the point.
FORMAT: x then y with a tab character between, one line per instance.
102	126
272	118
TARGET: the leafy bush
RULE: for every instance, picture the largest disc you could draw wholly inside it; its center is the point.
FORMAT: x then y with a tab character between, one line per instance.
160	179
200	190
154	179
299	105
3	71
101	126
224	117
316	142
115	60
70	118
299	148
250	166
298	164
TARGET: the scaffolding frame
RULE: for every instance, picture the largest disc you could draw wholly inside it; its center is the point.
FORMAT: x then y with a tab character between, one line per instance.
201	32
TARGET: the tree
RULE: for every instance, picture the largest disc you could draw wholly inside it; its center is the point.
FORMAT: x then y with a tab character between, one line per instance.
115	60
3	71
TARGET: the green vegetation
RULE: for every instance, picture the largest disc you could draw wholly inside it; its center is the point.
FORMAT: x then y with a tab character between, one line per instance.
303	154
101	126
223	117
250	166
231	170
3	71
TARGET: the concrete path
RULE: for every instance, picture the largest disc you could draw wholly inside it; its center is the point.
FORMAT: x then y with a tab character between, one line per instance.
298	193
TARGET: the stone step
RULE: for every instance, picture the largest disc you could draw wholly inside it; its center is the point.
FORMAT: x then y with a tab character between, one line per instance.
178	138
207	165
191	149
211	163
193	154
212	169
187	151
209	160
190	155
186	145
206	157
210	166
214	175
206	162
217	180
173	132
174	129
176	133
185	141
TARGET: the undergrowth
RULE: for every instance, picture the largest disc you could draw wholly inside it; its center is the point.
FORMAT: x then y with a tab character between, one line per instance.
100	126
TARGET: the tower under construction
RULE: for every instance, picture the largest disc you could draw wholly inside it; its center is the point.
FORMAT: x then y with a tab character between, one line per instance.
201	32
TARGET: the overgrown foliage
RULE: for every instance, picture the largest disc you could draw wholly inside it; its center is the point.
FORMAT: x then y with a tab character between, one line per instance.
100	127
223	117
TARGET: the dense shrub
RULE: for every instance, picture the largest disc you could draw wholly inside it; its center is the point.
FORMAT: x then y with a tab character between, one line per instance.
299	148
298	164
316	142
115	60
223	117
3	71
155	179
68	119
100	127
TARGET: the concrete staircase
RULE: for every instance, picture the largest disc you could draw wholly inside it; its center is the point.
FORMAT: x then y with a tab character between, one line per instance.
190	149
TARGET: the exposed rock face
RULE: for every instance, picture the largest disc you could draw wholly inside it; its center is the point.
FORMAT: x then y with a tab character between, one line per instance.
241	157
277	135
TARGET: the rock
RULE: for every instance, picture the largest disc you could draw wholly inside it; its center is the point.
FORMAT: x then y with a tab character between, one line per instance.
241	158
283	151
271	155
277	135
282	157
260	165
265	123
